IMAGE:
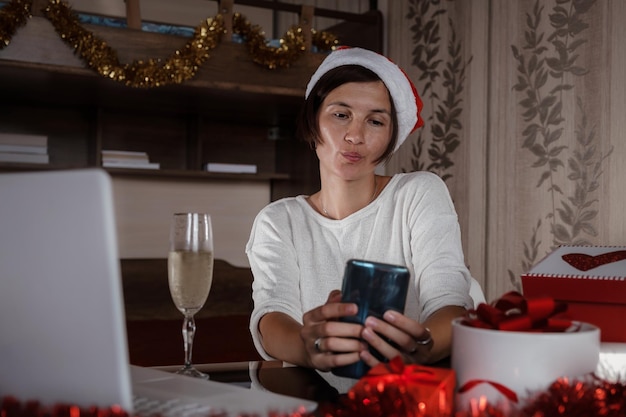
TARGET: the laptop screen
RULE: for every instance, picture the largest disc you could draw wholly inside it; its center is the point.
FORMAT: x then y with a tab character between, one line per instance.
61	308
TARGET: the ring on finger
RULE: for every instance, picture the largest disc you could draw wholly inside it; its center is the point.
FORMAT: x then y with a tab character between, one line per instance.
317	344
428	340
422	342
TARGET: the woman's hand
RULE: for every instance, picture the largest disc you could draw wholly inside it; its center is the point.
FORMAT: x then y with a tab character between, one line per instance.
328	342
417	342
397	335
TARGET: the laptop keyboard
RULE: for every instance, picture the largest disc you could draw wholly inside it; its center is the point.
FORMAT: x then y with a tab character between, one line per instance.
146	407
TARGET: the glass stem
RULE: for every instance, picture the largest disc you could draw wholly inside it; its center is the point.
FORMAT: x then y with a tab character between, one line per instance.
189	330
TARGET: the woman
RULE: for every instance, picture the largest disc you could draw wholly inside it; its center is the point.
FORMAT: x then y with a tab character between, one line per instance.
359	108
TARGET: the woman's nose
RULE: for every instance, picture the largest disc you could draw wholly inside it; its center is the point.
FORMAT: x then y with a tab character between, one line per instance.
355	134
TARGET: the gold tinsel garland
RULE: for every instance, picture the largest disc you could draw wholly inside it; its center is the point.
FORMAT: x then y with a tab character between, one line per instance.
292	44
181	65
12	16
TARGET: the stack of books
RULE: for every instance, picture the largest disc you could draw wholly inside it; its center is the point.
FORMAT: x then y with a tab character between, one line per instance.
23	148
127	159
230	168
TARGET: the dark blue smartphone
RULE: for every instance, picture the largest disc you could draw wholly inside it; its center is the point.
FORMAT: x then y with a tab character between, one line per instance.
375	287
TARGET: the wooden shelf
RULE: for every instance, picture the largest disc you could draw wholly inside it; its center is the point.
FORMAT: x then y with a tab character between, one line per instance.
228	75
150	173
223	114
200	175
254	102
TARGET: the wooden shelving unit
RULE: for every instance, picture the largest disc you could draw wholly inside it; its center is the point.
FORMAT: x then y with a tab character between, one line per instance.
231	111
225	114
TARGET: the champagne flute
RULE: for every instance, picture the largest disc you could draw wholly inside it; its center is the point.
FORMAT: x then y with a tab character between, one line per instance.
190	274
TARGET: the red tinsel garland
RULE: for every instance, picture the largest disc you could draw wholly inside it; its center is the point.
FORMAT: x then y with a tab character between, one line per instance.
564	398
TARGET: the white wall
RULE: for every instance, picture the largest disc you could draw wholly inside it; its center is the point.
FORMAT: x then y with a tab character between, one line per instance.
143	208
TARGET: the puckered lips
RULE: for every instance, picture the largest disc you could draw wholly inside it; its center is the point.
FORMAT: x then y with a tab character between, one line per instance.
352	156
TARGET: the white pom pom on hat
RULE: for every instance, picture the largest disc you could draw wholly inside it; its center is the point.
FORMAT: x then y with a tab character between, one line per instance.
406	101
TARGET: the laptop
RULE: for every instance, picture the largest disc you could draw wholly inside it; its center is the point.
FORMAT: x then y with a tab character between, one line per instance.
62	322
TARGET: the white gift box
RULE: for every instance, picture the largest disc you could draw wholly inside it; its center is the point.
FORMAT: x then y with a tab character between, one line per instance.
523	362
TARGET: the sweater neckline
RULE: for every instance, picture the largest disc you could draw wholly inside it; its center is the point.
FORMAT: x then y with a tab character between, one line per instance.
304	199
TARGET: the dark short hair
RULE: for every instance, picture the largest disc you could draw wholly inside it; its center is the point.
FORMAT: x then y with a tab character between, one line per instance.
307	128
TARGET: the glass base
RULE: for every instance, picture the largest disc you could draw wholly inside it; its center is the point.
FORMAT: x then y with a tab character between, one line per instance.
192	372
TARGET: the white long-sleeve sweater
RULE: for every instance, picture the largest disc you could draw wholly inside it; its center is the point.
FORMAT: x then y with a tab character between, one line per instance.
298	256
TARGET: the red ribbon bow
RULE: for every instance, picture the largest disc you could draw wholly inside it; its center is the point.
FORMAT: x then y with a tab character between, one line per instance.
395	371
513	312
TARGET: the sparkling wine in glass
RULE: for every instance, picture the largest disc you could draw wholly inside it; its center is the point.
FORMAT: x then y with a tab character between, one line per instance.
190	274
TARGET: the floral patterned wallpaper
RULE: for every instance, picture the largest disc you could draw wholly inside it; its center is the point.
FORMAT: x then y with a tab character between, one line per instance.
439	62
523	108
548	61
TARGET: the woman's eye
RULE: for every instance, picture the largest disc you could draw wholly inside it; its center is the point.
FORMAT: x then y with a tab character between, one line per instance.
341	115
378	123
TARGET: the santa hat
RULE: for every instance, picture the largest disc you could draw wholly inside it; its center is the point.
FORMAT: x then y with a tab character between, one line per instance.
406	101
